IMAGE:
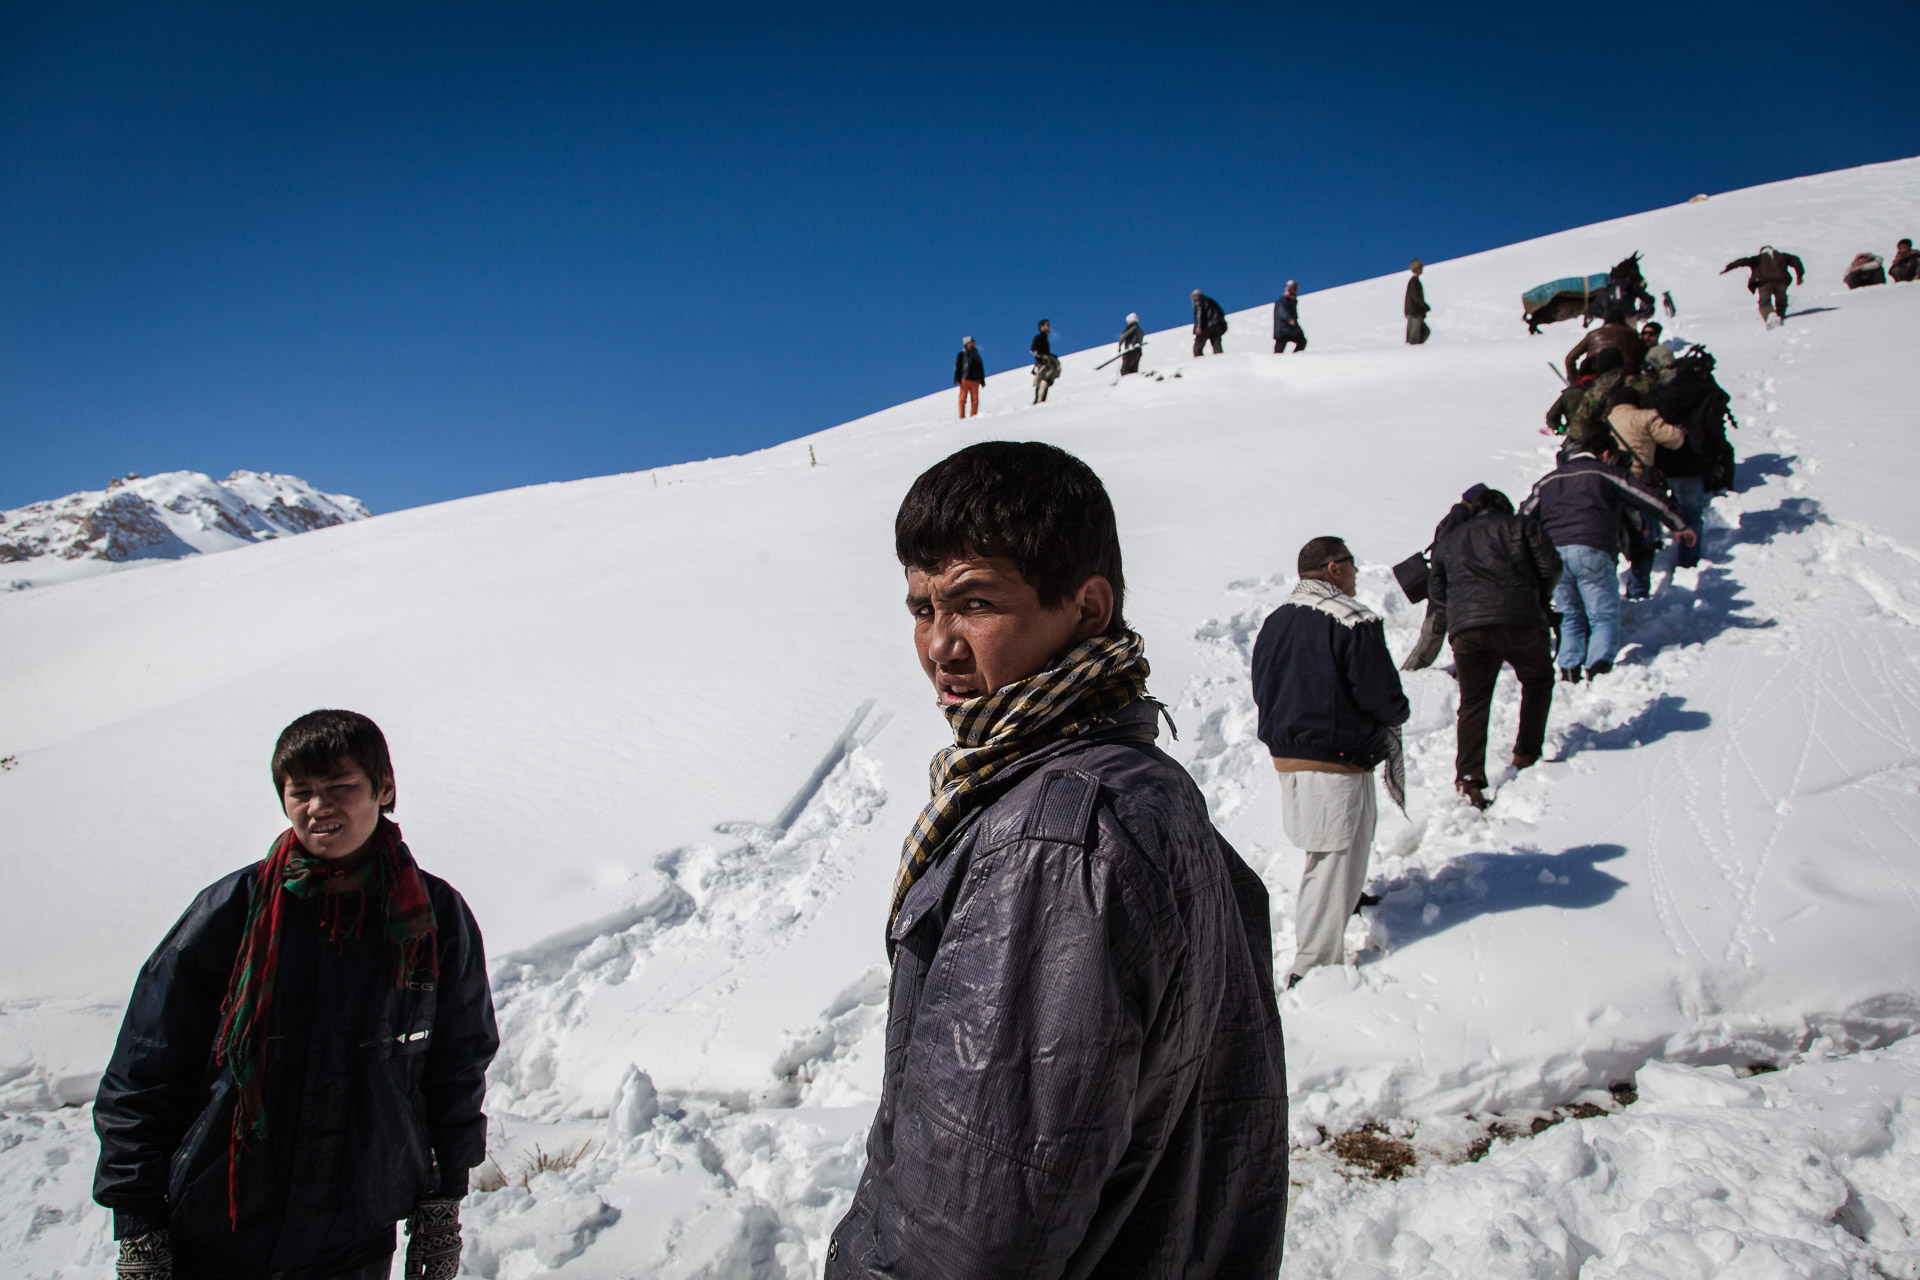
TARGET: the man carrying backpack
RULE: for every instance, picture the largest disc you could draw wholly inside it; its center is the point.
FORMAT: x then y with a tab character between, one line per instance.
1046	365
1702	464
1767	274
1209	323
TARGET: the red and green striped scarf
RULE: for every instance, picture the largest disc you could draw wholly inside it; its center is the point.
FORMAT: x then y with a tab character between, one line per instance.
389	879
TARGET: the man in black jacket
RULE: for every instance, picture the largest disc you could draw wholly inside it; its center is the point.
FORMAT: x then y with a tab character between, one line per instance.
1286	321
1209	323
303	1060
1331	708
969	371
1578	504
1767	274
1046	365
1494	576
1084	1068
1415	306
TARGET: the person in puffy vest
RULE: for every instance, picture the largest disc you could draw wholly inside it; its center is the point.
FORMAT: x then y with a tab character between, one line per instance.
1866	269
1286	321
303	1059
1768	273
1209	323
969	372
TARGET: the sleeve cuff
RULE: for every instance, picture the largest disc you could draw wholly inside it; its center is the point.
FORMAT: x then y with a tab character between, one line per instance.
127	1225
452	1185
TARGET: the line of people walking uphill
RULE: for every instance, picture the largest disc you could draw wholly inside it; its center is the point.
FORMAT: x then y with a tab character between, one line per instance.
1209	329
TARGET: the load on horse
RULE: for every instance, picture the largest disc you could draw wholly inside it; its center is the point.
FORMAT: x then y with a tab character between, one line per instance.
1589	297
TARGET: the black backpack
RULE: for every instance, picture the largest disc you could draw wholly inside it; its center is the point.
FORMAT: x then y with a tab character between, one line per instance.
1696	403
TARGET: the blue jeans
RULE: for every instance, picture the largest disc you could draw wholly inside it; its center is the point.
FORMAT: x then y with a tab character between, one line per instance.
1588	598
1690	500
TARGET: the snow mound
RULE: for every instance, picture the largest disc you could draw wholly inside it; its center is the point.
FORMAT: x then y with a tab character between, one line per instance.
163	517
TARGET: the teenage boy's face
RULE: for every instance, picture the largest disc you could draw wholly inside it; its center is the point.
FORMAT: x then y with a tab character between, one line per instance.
979	626
333	816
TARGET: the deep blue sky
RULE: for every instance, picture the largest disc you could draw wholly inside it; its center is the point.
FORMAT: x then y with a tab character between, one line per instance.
414	251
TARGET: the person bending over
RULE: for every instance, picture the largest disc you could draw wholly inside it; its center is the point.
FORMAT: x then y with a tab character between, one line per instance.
1493	575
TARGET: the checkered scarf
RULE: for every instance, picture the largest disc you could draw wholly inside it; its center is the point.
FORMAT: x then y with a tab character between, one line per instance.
1091	683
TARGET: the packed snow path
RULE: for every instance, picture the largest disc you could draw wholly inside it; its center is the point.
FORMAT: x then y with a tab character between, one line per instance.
665	731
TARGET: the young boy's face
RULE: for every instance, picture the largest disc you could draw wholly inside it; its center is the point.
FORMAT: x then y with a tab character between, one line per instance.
979	626
334	816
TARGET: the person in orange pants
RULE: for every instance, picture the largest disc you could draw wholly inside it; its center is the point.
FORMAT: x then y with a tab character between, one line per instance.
969	371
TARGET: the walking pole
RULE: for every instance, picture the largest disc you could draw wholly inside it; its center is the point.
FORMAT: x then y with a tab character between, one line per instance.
1110	359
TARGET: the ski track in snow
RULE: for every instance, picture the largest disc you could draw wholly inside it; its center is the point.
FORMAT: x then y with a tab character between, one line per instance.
1797	623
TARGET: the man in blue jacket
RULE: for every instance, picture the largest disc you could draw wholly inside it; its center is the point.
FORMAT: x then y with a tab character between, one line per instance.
1331	708
1578	504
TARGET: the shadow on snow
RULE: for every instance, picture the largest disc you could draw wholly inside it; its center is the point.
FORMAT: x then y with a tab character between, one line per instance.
1421	904
1666	714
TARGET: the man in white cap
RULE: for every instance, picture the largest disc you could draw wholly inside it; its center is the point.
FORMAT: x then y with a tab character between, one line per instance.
1286	321
1209	323
1131	340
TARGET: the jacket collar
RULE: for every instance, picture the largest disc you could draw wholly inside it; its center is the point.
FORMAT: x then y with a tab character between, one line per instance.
1312	593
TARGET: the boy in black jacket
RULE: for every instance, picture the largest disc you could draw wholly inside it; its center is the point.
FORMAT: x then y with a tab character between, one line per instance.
303	1059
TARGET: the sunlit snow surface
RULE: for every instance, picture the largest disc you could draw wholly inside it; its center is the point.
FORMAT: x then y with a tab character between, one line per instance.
665	731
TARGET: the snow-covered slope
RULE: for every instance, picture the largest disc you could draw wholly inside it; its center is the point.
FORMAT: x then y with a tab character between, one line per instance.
665	730
163	517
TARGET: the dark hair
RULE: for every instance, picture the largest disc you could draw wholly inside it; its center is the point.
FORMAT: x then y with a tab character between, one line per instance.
1654	325
1494	500
1315	556
1616	314
312	745
1626	395
1028	502
1043	321
1597	443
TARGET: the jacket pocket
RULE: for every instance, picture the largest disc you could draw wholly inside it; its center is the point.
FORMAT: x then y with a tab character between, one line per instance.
197	1175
